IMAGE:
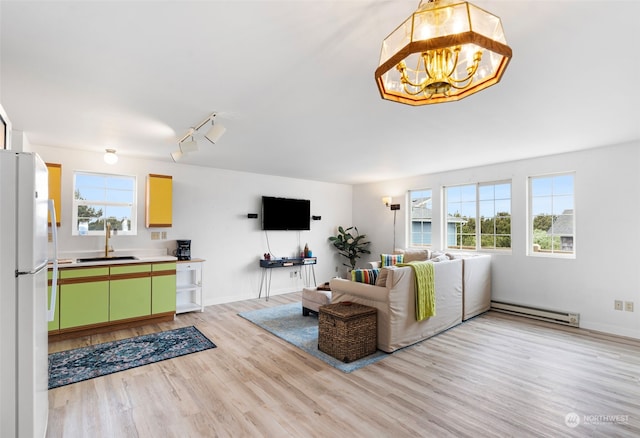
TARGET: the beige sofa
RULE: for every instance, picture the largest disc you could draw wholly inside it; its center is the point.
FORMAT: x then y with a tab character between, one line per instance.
463	290
395	301
476	283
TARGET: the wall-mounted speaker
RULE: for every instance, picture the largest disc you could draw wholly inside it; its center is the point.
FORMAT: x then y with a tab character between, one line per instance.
395	206
316	218
252	216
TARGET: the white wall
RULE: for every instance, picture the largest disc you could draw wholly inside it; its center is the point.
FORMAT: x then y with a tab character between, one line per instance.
210	207
607	205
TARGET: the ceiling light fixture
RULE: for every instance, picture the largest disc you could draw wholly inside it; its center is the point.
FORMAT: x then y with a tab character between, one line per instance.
110	156
189	146
176	156
216	131
213	135
445	51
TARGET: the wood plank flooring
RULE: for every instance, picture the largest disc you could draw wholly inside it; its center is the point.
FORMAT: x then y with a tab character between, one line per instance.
495	375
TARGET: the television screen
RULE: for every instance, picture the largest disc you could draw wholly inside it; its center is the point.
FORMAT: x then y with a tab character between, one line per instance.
285	213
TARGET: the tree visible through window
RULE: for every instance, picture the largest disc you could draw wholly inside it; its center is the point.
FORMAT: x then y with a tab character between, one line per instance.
479	216
102	198
552	219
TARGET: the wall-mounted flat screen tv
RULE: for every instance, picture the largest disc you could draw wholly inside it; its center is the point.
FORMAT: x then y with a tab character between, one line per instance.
285	213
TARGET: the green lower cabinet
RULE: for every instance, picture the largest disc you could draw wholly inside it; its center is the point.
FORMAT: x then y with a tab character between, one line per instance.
84	304
130	298
163	294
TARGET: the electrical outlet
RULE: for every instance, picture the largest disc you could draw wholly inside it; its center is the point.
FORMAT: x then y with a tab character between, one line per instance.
155	235
628	306
164	235
617	305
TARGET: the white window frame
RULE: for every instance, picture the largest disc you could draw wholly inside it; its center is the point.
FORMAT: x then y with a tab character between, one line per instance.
477	217
558	201
428	202
105	203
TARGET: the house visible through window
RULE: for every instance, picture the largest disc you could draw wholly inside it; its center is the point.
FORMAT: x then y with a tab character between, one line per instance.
478	216
102	198
420	217
552	217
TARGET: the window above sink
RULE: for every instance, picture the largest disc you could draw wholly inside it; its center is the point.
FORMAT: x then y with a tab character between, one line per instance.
100	198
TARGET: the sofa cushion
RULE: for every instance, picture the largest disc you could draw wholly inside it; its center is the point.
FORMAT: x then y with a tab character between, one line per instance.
391	259
382	277
413	255
368	276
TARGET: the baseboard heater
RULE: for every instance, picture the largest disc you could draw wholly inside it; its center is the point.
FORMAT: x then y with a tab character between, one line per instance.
558	317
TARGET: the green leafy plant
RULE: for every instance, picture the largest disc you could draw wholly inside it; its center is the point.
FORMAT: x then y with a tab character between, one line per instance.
350	244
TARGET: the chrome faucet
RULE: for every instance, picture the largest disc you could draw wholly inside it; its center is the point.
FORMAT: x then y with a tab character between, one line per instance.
106	240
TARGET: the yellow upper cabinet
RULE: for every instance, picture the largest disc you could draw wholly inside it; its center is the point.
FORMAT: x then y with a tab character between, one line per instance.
159	201
55	189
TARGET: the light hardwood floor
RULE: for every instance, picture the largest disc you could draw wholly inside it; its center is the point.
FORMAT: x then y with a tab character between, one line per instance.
495	375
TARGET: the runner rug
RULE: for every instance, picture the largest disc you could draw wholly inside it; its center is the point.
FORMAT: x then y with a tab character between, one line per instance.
71	366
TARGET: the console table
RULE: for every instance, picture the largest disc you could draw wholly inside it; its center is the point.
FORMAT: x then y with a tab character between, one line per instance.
267	266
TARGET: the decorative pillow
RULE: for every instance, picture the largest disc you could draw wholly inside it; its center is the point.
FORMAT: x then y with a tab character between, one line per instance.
391	259
382	277
368	276
439	258
414	255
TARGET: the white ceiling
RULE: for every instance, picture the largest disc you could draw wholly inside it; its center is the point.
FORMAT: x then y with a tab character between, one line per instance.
293	83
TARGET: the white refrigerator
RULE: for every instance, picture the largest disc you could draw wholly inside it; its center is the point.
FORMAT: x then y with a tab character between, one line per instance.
24	400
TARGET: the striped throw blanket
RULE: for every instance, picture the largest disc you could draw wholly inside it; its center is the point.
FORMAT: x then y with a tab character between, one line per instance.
425	289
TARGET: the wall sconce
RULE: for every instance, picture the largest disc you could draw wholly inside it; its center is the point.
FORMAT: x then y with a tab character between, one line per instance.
213	135
110	156
386	200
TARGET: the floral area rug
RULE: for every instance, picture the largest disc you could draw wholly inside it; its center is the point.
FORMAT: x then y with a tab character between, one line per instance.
287	322
71	366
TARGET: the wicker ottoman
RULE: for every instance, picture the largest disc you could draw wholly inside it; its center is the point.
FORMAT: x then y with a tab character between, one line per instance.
347	331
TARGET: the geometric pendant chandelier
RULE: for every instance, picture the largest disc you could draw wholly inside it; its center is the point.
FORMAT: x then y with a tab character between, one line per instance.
445	51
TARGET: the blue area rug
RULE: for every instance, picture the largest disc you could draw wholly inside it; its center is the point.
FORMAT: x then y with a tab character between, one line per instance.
287	322
71	366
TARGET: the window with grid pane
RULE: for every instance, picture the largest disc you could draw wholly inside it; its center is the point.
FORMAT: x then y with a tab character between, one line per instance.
479	216
103	198
421	209
552	215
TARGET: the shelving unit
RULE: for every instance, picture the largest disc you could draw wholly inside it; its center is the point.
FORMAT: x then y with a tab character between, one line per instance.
189	286
267	266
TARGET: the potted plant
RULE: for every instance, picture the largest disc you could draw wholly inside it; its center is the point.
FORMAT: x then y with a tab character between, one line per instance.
350	244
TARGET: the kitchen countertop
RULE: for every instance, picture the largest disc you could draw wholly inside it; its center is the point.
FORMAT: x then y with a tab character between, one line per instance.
73	263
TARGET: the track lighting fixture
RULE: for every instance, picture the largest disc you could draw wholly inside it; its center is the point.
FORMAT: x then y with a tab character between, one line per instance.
215	132
176	156
187	145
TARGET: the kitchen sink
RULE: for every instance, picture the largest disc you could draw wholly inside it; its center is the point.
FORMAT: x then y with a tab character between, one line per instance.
106	259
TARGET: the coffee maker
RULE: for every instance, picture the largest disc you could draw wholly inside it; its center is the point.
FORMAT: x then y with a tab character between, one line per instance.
183	250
